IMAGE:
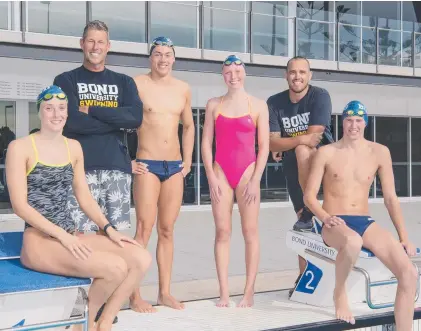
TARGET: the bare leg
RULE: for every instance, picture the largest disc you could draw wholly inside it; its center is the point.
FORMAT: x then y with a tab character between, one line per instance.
348	243
249	222
145	193
391	253
222	214
115	270
169	204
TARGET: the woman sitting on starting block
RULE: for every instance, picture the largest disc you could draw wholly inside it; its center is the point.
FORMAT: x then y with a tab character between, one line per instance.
41	169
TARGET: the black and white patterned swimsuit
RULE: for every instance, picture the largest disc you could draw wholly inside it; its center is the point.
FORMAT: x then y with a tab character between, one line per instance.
48	189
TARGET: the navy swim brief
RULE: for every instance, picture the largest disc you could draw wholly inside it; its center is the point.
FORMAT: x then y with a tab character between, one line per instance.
163	169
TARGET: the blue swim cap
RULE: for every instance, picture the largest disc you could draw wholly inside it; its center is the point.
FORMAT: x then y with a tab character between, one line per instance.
161	41
355	108
49	92
233	59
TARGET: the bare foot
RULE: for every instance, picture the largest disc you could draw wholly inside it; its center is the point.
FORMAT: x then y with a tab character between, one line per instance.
343	312
247	301
139	305
223	302
170	301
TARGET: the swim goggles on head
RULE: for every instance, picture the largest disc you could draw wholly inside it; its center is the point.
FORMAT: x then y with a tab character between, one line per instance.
49	96
49	93
162	41
355	112
355	108
233	59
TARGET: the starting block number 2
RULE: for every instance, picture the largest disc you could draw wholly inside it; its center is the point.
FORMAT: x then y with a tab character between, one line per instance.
310	279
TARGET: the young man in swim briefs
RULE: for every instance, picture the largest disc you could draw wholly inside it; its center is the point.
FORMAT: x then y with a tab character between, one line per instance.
158	192
347	169
233	120
299	122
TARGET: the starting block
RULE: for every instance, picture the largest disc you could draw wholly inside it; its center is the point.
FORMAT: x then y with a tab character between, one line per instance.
30	300
369	281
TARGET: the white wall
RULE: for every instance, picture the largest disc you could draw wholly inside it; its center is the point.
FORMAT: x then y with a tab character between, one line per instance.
379	99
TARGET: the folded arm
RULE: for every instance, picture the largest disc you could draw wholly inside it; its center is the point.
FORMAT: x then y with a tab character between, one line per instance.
78	122
129	115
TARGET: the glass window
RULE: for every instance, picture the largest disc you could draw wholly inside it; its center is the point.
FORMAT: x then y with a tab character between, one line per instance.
4	15
316	10
315	40
204	186
47	17
176	21
273	186
276	8
407	40
411	15
125	19
386	14
348	12
234	5
416	156
269	38
191	180
349	43
369	46
7	134
34	121
393	133
389	47
417	50
224	30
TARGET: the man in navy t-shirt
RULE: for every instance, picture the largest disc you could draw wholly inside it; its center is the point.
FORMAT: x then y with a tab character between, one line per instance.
103	106
299	122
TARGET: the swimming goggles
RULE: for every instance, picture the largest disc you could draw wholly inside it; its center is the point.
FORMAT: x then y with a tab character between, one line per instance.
49	96
232	59
162	41
355	112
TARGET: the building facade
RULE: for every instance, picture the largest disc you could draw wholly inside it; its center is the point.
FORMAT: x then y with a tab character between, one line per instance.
364	50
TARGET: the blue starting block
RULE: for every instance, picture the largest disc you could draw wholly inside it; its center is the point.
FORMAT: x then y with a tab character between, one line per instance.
31	300
369	282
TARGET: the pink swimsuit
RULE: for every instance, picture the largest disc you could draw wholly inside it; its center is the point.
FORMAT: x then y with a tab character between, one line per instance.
235	145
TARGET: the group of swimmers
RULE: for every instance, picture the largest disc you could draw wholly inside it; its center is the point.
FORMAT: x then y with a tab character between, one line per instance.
74	176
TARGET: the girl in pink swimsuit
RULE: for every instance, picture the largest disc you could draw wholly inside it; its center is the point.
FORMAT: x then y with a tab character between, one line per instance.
235	119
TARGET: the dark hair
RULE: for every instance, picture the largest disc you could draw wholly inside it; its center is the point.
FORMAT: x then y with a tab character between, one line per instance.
95	25
298	58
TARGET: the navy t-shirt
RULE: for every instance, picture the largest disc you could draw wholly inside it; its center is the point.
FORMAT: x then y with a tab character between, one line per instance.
114	108
293	119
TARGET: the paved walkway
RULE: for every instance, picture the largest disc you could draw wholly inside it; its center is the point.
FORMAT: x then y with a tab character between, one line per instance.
194	273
